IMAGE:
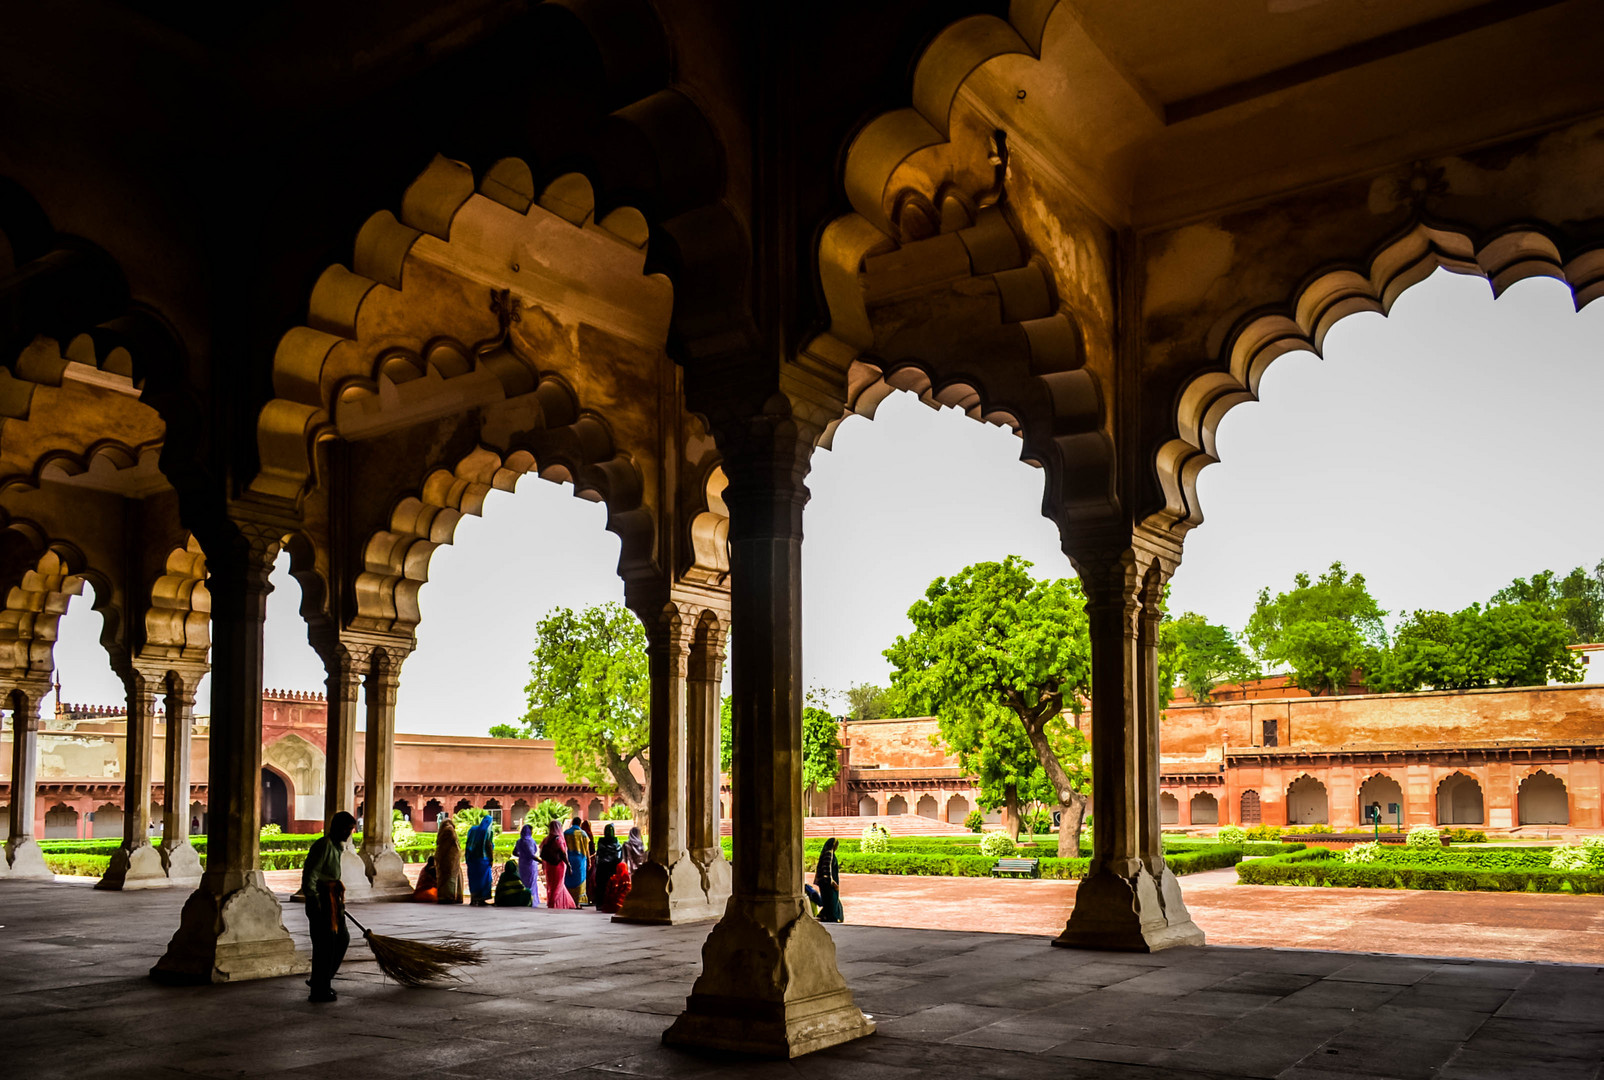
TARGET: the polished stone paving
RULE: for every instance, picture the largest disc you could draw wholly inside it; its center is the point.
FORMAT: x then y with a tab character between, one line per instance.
573	994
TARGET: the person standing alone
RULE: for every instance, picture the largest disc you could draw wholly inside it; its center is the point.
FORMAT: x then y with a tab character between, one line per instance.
325	905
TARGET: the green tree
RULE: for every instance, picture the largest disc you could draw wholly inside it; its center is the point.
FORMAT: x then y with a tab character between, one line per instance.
1521	644
1206	655
997	656
821	743
1322	631
1577	599
821	749
589	692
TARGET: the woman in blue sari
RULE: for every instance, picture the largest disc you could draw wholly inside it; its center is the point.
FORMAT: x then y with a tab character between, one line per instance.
480	849
579	850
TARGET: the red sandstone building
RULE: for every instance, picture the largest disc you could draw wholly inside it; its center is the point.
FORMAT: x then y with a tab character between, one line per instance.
82	752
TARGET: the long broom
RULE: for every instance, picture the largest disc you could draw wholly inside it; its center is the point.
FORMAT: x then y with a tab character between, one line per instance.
419	963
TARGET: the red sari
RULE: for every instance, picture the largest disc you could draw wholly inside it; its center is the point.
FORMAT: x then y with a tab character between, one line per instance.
554	857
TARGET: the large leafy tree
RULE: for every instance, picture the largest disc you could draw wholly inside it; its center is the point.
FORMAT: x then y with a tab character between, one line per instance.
998	656
1205	655
589	692
866	701
1321	630
1508	645
1577	599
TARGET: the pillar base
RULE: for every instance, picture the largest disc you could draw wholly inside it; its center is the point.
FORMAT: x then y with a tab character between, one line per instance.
26	860
773	993
231	938
354	876
386	873
1135	914
688	890
136	868
182	863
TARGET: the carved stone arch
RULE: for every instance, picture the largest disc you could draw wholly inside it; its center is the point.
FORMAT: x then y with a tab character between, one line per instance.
936	252
178	619
34	604
1302	322
470	298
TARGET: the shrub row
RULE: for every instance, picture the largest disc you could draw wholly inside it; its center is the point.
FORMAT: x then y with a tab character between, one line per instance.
1489	858
77	865
1325	868
954	864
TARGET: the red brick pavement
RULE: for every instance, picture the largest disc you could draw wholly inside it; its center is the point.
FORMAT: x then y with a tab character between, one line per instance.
1491	926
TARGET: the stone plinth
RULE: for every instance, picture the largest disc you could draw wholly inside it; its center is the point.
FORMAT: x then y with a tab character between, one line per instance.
231	938
686	891
1135	914
139	867
26	860
774	993
182	863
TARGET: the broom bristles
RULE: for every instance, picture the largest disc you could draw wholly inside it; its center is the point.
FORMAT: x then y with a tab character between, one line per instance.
418	963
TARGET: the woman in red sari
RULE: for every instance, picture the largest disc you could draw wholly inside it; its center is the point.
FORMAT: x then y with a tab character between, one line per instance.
554	857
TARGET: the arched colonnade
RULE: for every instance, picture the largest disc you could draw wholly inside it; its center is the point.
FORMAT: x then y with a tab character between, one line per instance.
675	329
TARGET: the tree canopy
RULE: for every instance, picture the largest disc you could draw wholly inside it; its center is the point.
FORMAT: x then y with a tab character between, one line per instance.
1321	630
1205	655
1577	599
997	656
1520	644
866	701
589	692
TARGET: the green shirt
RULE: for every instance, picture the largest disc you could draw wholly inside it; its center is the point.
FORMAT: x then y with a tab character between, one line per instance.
322	865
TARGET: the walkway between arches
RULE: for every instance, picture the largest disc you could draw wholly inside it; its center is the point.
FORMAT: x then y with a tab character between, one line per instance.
948	1004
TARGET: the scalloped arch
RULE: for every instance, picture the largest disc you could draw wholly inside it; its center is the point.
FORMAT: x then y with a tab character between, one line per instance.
395	560
1302	324
178	621
504	236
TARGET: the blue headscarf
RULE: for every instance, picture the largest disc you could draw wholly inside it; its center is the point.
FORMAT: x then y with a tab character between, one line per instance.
478	845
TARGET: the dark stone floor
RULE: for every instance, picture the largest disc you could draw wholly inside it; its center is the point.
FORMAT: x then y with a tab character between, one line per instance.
572	994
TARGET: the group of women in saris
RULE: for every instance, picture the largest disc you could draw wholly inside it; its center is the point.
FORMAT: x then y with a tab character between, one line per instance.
576	872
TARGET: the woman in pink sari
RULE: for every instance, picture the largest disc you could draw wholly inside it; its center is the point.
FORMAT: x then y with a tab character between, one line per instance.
554	857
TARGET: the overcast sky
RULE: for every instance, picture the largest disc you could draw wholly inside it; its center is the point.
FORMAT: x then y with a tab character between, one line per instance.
1440	452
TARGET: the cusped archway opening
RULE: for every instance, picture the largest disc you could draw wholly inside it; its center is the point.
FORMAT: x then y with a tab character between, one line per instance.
867	807
1544	800
1381	800
1251	812
957	810
1205	809
1459	801
1307	803
896	806
1169	809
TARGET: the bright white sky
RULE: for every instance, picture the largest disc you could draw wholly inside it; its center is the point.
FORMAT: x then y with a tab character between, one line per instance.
1440	451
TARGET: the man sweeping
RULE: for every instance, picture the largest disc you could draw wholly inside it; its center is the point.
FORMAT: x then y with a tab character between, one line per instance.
325	905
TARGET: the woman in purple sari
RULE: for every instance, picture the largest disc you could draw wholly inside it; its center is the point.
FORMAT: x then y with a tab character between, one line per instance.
528	854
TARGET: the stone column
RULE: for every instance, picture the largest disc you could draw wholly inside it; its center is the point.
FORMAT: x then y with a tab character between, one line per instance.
668	888
178	855
384	868
23	856
1129	900
703	773
231	927
343	683
136	864
769	983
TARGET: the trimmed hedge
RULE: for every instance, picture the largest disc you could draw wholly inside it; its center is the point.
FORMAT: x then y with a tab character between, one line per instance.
963	864
78	865
1321	867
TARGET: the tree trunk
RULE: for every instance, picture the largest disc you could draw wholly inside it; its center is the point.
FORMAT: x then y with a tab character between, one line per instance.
1036	731
636	795
1011	813
1073	817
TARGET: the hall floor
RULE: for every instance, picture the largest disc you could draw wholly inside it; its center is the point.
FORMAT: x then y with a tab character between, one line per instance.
572	994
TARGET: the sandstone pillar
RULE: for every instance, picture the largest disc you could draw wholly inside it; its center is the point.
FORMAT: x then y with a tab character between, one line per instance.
704	692
1129	899
385	870
23	856
136	864
769	983
178	855
343	683
231	927
669	887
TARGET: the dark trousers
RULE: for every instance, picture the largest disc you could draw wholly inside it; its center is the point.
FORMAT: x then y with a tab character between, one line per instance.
328	947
